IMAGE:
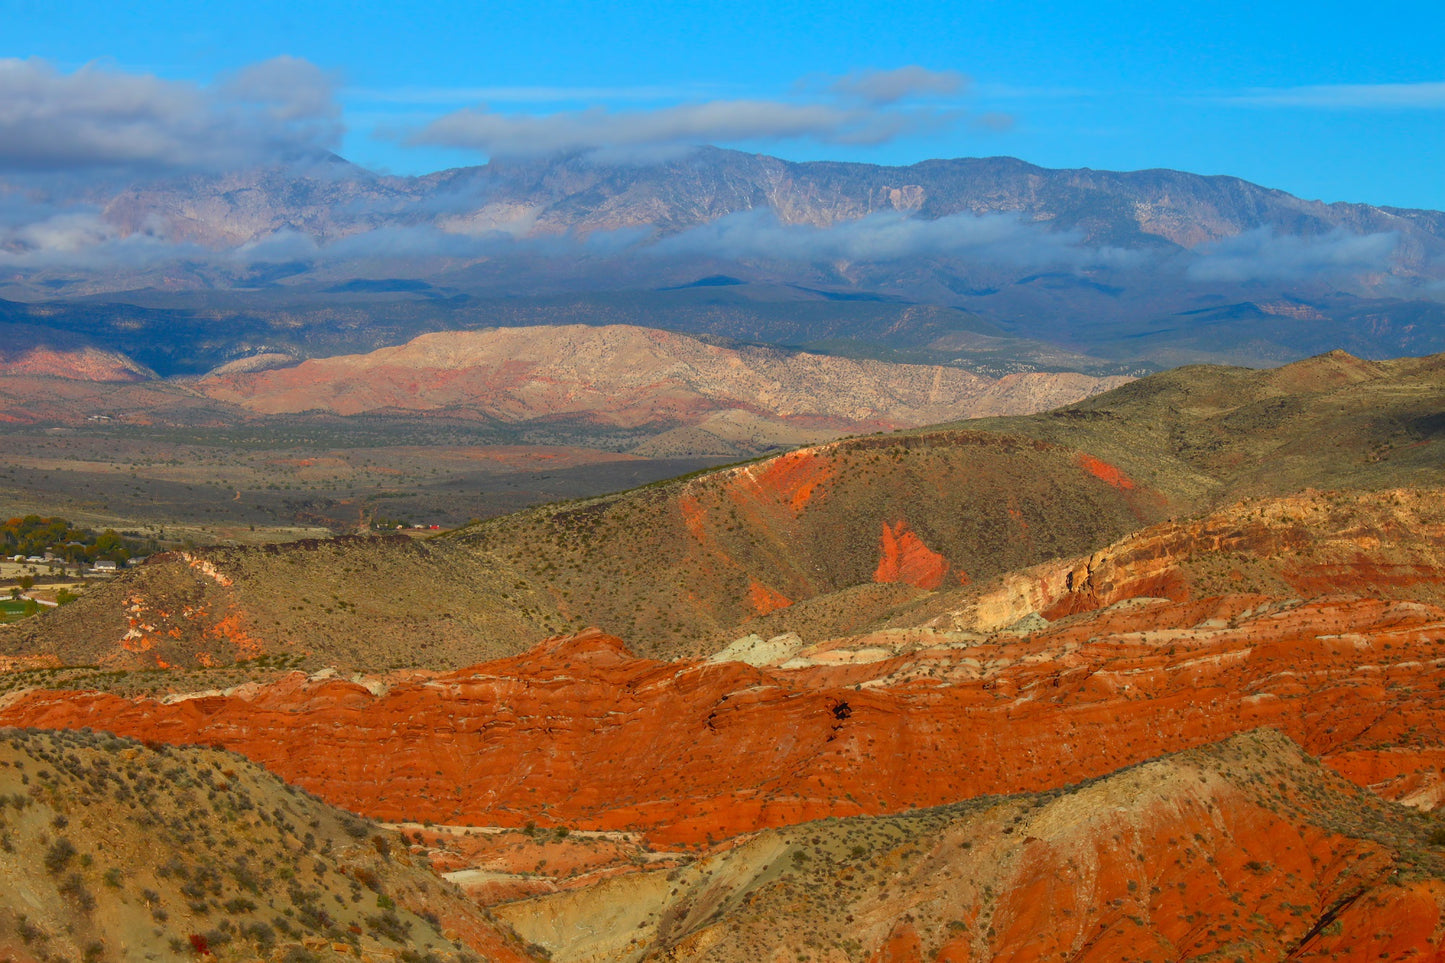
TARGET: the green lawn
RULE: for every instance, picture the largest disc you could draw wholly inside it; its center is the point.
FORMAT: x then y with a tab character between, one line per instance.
13	610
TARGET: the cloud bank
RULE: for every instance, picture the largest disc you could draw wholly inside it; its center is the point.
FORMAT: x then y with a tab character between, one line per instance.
998	239
881	87
1263	255
99	118
80	239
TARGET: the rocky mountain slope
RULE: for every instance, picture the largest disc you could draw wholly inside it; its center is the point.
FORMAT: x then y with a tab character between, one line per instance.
581	195
1158	266
1223	433
80	364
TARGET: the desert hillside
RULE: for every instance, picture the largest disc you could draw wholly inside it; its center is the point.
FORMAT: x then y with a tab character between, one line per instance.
1245	848
902	697
113	850
824	539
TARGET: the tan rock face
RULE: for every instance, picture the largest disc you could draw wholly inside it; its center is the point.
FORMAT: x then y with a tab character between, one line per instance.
1381	544
631	376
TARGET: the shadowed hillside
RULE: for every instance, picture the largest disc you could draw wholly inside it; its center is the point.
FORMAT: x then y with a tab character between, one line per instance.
906	512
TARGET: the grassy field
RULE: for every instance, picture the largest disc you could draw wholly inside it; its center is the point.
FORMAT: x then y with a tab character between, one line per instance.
13	610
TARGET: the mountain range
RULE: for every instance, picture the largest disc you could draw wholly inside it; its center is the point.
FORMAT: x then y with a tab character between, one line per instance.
983	261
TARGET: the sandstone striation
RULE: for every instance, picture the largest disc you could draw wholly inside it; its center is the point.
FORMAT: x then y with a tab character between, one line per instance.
580	733
1388	544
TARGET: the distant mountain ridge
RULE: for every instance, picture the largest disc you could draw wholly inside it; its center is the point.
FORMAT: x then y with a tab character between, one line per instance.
630	386
580	194
1160	266
632	377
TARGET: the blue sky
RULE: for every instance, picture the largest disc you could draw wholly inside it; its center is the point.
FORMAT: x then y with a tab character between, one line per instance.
1325	100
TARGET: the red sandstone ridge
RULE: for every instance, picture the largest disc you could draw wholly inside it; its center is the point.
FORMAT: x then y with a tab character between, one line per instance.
904	558
579	732
77	364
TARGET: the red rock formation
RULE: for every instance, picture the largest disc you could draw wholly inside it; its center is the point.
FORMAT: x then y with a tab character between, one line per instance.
902	557
1242	847
795	477
766	600
1193	875
577	732
78	364
1105	472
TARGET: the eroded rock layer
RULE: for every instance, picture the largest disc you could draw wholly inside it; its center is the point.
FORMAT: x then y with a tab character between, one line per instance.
580	733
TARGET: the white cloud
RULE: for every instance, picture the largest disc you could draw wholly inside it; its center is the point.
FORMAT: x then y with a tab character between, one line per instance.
1263	255
719	121
887	236
891	86
502	94
864	108
100	118
1421	96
